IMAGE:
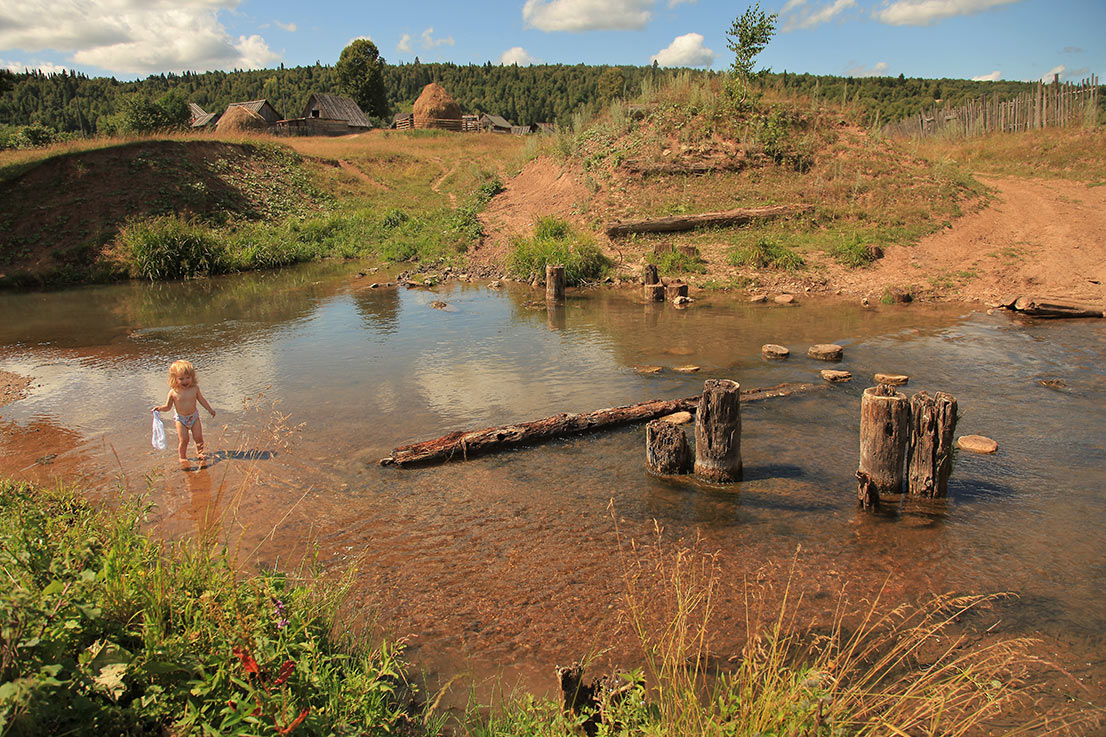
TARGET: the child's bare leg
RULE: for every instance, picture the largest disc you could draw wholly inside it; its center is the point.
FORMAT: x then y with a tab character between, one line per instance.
198	436
182	441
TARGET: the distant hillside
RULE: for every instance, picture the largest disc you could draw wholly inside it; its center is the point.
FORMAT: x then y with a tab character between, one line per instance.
75	103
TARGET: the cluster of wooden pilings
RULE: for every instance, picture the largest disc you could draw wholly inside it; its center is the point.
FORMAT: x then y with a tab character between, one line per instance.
655	290
904	442
717	453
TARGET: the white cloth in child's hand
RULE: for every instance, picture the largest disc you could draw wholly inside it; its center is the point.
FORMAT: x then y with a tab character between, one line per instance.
158	438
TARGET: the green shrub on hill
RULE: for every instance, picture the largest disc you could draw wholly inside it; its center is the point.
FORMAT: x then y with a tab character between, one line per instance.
555	242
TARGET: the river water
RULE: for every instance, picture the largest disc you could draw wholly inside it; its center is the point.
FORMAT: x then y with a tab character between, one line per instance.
507	565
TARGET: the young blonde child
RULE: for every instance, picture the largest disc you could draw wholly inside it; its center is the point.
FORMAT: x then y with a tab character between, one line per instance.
184	394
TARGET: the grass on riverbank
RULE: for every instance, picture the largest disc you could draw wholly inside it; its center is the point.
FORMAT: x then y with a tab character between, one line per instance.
108	632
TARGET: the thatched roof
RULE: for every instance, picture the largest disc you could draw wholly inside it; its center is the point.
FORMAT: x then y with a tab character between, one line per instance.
436	109
238	119
260	107
335	107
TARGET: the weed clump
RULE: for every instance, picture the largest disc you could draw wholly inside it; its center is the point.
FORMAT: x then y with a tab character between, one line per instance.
766	254
678	262
555	242
853	253
169	248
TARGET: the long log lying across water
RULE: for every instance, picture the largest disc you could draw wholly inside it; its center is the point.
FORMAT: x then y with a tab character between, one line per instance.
705	220
463	444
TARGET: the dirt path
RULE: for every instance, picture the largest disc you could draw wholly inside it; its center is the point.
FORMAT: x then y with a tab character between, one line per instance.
1037	238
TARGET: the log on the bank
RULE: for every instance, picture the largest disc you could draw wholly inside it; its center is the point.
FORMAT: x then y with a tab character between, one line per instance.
666	448
884	435
1031	307
705	220
464	444
933	424
718	432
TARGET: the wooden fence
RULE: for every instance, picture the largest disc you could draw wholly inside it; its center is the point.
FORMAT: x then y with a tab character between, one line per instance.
1049	106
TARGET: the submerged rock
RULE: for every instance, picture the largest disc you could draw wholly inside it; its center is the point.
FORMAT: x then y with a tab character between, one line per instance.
977	444
892	379
784	299
771	350
648	369
689	369
826	352
836	377
758	298
677	418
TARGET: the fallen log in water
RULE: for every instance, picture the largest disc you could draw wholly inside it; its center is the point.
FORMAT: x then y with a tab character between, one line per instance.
463	444
705	220
1032	307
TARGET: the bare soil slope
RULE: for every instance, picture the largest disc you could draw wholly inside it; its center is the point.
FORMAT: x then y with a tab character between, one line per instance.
1038	238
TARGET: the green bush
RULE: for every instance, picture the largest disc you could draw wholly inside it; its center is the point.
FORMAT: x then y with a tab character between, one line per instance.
169	248
852	252
554	242
766	254
107	632
678	262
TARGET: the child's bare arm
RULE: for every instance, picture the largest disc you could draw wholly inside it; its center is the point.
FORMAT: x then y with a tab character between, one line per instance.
201	400
168	404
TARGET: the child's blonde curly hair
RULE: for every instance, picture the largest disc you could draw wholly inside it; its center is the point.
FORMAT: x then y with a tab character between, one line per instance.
179	369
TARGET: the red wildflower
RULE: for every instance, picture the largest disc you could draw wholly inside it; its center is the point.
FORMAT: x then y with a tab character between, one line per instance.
294	723
248	662
284	672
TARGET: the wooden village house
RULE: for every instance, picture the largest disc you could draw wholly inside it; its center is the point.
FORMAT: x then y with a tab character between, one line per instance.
259	107
326	115
200	118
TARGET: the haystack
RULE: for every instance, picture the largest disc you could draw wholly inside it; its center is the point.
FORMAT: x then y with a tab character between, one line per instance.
436	109
238	119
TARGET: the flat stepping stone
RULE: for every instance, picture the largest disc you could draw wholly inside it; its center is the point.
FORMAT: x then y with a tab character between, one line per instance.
892	379
771	350
977	444
758	298
826	352
687	369
836	377
784	299
648	369
677	418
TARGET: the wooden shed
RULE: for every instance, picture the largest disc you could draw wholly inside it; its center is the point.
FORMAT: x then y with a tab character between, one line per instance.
200	118
259	107
403	121
494	123
326	115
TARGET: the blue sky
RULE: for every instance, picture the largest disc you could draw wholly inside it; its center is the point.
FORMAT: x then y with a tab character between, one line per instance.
968	39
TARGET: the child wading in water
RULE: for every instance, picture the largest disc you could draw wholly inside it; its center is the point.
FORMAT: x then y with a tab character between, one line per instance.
184	393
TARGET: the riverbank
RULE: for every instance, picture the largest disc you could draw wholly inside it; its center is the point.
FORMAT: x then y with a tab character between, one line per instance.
112	632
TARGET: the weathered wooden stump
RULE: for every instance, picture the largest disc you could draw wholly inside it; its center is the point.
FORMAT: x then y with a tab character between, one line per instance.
884	435
654	292
932	424
666	448
555	283
718	431
649	274
826	352
675	289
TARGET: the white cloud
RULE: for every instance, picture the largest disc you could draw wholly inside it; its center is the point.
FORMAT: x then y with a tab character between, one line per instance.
791	5
404	44
859	70
925	12
46	67
133	36
1059	69
290	27
587	15
429	42
684	51
674	3
992	77
812	18
516	55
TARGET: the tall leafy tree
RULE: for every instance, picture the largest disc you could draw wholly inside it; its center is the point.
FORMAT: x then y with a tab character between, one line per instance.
748	36
360	71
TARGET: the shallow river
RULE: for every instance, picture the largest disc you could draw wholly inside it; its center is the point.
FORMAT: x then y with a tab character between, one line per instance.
504	566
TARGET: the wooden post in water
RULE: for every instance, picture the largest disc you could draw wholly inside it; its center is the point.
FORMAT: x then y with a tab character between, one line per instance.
554	283
718	431
884	435
654	292
649	274
932	425
666	448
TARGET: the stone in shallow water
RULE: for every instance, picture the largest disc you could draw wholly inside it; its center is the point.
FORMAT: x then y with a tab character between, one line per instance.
784	299
977	444
678	418
892	379
689	369
771	350
759	298
836	377
826	352
648	369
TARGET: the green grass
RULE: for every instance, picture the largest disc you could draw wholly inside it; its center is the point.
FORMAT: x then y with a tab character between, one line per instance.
555	242
677	262
853	252
108	632
766	254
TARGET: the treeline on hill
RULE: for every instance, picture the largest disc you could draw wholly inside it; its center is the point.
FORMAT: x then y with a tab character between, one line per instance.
73	103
